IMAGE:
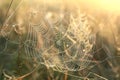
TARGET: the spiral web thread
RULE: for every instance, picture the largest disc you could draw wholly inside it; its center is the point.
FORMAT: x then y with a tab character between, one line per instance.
73	46
76	37
68	51
72	52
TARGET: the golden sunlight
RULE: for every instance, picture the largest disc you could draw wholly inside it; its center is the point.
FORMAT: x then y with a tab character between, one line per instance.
109	5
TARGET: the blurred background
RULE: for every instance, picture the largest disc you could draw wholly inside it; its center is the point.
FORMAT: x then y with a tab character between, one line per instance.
103	16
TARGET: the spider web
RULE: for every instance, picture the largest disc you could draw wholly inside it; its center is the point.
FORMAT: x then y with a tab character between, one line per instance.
68	49
75	52
65	47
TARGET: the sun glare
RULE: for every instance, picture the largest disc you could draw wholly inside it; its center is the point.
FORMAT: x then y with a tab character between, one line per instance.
109	5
